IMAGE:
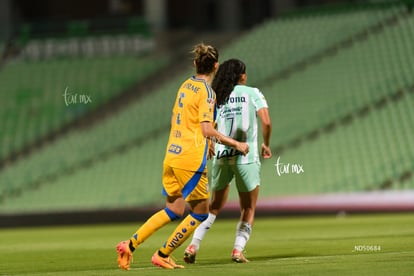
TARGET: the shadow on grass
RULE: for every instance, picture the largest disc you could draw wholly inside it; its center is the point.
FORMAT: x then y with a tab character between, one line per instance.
255	258
279	256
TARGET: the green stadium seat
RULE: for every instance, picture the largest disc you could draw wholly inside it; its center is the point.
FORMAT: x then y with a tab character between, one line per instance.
351	150
38	89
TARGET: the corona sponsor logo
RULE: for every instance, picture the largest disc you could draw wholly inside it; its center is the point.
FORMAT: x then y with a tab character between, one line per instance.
237	99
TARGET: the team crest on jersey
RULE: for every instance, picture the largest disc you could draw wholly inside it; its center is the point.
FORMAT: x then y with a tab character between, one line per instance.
211	102
206	115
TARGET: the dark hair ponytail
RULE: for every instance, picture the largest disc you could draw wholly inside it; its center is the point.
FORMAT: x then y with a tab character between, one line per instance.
227	76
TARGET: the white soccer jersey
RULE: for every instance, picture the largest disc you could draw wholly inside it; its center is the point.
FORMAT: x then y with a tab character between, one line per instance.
238	119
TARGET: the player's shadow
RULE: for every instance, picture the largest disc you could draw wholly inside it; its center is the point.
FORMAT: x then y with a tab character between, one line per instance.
279	256
258	258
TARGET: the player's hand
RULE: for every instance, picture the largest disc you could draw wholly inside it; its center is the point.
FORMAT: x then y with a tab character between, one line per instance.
266	152
242	147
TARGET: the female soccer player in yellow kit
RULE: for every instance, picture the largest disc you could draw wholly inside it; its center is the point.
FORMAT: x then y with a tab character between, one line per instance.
185	172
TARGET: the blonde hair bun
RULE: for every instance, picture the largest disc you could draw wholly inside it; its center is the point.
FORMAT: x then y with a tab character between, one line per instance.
205	56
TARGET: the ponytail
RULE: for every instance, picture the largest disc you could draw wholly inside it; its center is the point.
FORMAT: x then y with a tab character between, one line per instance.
227	76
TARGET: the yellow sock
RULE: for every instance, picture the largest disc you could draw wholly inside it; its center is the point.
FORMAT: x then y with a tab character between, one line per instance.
154	223
182	232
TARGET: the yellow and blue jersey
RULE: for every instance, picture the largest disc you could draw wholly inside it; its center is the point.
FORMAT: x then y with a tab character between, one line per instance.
187	148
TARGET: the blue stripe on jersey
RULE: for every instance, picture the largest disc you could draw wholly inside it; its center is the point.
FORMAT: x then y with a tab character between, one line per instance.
192	183
189	186
210	92
203	164
215	113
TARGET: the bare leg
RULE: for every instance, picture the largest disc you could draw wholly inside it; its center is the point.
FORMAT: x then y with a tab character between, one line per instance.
218	200
248	205
176	204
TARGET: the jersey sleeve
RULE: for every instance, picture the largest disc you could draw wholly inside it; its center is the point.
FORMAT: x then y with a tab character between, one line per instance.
206	105
259	100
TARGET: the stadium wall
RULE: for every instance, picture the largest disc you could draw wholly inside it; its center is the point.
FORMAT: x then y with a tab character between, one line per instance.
326	204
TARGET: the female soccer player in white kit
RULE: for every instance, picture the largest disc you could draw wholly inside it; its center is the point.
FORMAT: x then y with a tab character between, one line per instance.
238	106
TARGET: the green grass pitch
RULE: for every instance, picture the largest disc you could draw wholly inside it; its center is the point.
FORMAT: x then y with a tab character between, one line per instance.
375	244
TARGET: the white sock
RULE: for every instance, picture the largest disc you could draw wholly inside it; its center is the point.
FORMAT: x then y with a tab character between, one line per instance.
243	231
202	229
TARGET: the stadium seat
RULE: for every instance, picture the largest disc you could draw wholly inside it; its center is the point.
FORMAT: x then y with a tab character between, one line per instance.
344	115
39	89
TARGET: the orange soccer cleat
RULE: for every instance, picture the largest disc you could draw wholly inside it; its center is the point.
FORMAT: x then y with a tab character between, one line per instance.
124	255
167	262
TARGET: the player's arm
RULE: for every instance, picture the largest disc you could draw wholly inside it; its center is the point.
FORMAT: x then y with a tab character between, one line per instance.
212	145
210	132
264	116
211	149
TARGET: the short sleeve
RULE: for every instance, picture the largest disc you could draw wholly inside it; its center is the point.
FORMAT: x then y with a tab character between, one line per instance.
259	100
206	105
